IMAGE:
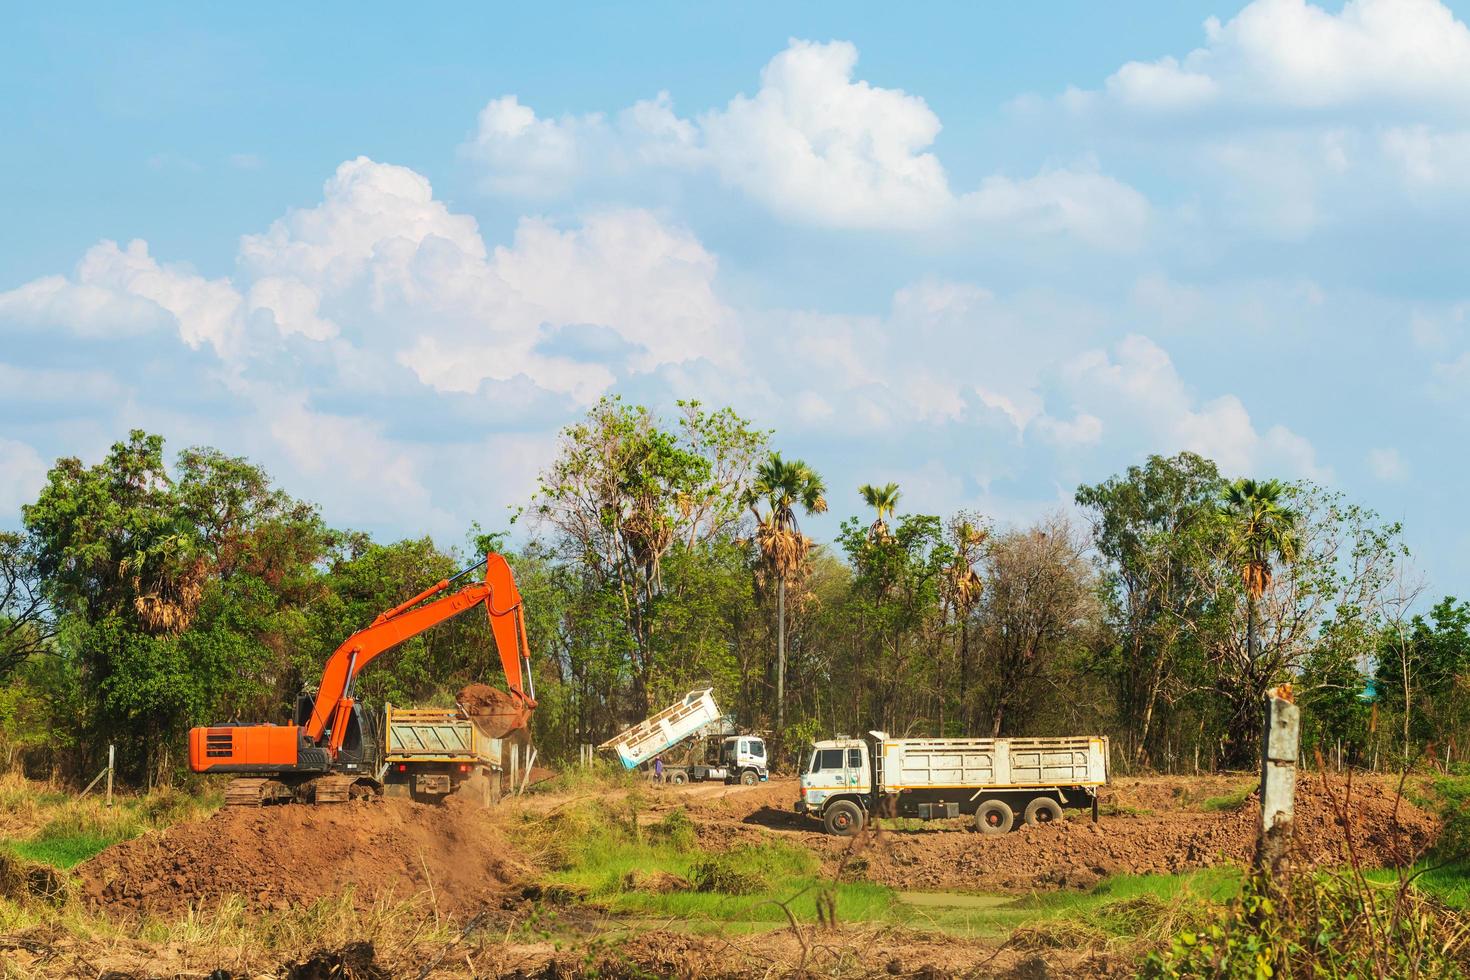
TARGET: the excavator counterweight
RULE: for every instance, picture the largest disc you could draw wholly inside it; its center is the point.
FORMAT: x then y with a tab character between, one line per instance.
333	749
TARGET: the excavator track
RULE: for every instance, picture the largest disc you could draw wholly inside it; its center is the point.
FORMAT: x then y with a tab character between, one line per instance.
337	789
256	791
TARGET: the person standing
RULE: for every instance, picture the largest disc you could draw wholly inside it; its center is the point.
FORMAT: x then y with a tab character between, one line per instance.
658	768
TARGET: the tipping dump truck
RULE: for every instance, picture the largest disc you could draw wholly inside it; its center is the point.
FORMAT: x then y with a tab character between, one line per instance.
846	781
688	725
430	752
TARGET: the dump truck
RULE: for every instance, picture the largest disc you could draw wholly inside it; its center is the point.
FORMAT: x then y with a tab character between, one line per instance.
429	753
996	781
333	748
685	731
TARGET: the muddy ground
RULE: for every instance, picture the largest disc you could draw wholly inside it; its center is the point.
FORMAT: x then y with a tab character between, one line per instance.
462	863
454	857
462	858
1153	825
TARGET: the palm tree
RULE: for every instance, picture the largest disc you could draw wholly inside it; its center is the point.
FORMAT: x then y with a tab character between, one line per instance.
962	587
884	500
783	485
1260	529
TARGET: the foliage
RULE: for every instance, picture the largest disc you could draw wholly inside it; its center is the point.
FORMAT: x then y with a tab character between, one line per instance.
1328	924
664	554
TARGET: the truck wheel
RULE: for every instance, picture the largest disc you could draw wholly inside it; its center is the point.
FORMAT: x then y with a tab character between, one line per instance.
749	777
1043	810
678	779
994	817
843	818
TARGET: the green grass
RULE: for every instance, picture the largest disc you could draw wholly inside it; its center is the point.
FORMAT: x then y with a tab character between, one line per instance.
63	852
605	859
71	830
1233	800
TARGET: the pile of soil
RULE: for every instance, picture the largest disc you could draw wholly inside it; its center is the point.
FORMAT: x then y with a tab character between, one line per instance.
494	712
450	857
1385	832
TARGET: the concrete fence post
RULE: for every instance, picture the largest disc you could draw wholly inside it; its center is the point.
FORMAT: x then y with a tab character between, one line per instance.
1279	748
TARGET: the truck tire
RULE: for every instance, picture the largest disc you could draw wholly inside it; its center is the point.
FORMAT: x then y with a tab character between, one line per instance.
678	779
995	817
843	818
1043	810
749	777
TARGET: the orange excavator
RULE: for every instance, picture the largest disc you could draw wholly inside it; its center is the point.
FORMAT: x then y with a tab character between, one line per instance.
333	750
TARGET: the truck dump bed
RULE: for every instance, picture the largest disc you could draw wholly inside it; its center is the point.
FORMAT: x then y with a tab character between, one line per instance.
643	741
438	734
935	763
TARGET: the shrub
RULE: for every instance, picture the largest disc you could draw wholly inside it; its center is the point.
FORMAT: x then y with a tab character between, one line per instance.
724	873
1331	924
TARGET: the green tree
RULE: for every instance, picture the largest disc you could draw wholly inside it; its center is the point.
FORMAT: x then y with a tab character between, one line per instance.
1154	529
624	489
179	595
962	589
27	625
883	500
897	587
783	486
1433	657
1260	530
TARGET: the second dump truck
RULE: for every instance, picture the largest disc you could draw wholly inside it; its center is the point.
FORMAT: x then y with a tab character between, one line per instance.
691	732
996	781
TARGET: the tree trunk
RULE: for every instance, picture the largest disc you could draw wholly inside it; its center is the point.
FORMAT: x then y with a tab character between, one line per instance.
964	711
1250	630
780	655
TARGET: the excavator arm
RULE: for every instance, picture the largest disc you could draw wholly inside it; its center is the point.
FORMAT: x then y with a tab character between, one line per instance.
502	602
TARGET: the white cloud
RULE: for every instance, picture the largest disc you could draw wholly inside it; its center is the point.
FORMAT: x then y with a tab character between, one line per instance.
1137	388
1293	54
22	474
1387	464
813	145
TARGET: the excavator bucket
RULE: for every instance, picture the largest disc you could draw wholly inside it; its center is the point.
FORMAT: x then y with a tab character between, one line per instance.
494	713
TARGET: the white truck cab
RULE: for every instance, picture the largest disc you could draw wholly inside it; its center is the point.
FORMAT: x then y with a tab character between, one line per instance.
743	758
833	769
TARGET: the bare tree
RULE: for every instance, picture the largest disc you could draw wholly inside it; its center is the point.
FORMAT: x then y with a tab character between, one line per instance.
1039	605
26	623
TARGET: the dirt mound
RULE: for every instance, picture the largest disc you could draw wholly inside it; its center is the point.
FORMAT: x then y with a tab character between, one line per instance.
493	711
1077	853
449	856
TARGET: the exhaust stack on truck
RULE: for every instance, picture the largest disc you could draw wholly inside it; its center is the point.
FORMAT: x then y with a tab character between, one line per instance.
848	781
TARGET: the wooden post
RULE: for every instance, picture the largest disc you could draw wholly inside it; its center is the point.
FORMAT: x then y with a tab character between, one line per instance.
111	764
1280	740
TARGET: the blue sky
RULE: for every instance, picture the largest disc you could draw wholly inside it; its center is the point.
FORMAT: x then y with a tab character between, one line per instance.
988	251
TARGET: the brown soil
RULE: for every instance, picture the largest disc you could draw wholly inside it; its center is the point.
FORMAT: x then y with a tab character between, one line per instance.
847	951
494	712
1178	836
450	857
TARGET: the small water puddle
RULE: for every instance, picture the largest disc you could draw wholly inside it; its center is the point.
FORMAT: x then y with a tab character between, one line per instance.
954	900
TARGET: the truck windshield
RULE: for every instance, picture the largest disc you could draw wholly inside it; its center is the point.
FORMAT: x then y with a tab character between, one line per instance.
757	748
808	761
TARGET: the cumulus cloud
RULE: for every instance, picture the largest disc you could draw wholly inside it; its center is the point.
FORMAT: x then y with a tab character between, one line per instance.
22	474
812	145
1293	54
381	294
1138	387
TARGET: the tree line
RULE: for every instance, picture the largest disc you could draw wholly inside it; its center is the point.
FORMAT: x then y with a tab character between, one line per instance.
662	554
